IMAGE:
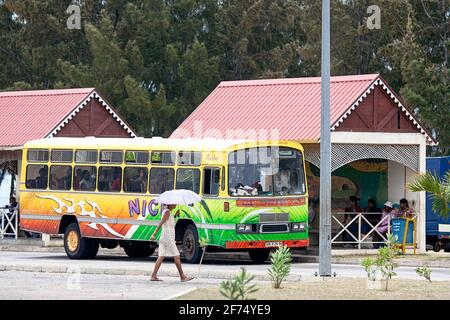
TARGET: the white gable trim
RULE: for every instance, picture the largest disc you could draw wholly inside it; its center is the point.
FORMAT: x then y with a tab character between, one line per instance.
380	82
93	95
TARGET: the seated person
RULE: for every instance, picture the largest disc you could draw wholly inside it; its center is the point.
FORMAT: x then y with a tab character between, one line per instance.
103	181
405	211
86	181
353	228
115	185
41	180
372	218
383	228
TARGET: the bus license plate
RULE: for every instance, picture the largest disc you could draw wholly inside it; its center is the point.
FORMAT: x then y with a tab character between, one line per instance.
274	244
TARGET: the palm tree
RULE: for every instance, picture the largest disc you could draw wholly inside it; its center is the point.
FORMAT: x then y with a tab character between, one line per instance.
438	188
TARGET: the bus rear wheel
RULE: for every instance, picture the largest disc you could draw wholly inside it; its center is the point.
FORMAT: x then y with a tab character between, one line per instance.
191	248
259	255
76	246
139	249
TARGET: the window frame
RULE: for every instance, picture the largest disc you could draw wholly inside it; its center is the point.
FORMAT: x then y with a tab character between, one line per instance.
136	163
51	156
172	152
26	175
87	162
138	167
108	150
202	179
74	171
190	168
174	170
188	165
38	150
71	176
98	177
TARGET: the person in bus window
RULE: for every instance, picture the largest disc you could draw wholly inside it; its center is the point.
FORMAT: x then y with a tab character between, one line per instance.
41	180
77	179
86	182
138	182
103	181
115	185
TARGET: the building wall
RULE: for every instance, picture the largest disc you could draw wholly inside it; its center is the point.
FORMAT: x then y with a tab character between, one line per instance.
377	113
93	120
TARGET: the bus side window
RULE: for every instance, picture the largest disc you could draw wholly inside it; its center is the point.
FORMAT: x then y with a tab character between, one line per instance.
211	180
37	176
109	179
60	177
135	179
84	178
161	179
188	179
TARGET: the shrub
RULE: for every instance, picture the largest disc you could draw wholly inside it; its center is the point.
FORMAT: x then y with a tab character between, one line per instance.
239	288
384	262
281	266
424	272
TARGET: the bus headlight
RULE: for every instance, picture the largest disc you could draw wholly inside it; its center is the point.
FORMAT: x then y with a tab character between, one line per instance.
298	227
244	228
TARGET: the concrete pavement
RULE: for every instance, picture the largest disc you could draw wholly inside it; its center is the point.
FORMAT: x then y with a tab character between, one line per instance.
212	269
55	286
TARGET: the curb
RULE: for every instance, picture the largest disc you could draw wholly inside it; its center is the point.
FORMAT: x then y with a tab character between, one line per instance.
182	293
130	272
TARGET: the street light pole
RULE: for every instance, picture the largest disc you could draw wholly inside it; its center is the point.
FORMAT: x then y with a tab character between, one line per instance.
325	150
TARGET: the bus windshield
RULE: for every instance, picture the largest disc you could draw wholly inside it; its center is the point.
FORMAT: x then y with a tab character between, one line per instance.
266	171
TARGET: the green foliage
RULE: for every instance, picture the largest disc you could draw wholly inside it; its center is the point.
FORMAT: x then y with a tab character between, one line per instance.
384	263
281	266
239	288
439	190
156	60
424	272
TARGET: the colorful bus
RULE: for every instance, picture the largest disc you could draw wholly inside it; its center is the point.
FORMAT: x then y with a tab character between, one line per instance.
102	191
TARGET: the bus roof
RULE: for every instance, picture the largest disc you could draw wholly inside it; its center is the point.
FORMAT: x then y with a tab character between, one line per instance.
150	143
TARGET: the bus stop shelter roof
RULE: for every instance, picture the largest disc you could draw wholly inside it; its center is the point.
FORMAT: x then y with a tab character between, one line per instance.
286	109
37	114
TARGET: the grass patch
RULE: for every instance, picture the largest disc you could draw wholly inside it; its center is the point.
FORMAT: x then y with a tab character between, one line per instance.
339	289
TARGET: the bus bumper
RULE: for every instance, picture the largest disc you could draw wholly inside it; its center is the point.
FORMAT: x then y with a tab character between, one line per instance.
260	244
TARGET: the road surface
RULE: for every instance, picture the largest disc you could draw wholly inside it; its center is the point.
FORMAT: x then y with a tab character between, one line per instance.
43	275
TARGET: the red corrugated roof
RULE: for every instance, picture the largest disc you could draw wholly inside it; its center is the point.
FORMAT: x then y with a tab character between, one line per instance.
29	115
289	107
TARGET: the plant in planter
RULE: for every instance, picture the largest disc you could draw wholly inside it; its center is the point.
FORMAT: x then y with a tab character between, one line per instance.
381	269
239	288
424	272
281	266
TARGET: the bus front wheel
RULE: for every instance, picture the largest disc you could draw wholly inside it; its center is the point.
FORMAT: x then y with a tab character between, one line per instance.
76	246
191	248
259	255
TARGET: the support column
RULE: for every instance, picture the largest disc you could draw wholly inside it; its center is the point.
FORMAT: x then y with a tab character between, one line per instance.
421	219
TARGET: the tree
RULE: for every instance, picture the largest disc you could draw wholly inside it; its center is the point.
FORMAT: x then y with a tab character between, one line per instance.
439	190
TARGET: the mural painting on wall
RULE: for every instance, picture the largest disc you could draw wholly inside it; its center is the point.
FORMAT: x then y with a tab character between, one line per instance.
364	178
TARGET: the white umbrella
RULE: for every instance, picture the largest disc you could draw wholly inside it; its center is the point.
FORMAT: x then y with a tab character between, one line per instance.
179	196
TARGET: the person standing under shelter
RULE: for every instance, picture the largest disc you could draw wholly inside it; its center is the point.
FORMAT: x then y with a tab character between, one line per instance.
388	213
351	211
